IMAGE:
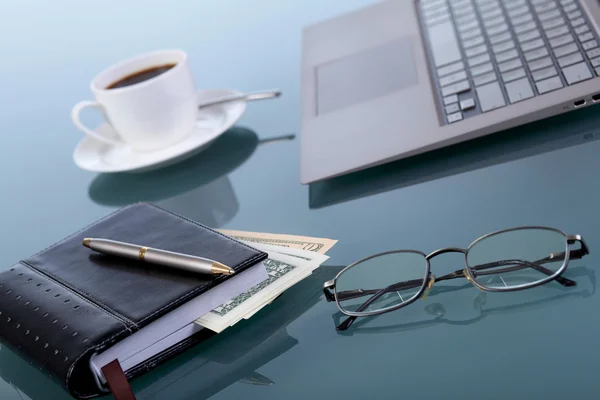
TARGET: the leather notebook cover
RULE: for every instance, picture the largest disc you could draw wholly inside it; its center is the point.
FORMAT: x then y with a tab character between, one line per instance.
64	304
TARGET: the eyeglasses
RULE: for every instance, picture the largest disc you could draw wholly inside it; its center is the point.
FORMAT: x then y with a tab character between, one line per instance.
503	261
485	306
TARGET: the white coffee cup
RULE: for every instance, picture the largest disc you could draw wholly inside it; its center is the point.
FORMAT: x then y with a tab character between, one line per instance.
148	115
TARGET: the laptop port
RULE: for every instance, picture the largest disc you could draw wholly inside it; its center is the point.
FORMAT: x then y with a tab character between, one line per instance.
596	97
579	103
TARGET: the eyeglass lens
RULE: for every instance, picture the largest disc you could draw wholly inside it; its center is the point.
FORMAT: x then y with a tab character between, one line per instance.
383	282
516	257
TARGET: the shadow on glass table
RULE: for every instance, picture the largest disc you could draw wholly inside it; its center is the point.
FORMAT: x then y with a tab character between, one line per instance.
525	141
237	354
457	305
219	361
198	188
226	154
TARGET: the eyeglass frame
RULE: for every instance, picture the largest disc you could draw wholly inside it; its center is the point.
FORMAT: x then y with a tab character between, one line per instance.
466	272
337	317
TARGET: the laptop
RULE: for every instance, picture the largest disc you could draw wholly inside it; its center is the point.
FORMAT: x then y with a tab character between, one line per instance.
404	77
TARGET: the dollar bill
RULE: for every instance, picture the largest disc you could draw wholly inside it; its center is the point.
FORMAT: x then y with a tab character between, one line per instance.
282	250
276	269
302	254
318	245
269	300
284	270
281	269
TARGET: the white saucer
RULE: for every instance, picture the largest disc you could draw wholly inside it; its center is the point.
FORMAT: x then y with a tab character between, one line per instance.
92	155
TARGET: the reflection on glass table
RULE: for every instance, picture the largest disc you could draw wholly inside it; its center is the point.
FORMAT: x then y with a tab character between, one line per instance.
549	135
454	303
235	355
226	154
503	261
213	204
198	188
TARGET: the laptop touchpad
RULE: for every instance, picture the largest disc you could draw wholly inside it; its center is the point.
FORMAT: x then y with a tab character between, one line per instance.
364	76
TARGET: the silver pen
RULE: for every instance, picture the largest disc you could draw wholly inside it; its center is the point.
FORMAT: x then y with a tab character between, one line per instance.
157	256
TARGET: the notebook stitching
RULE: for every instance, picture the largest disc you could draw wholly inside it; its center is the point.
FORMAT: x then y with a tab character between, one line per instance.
85	296
145	365
81	230
97	347
251	260
109	310
203	226
132	205
86	300
192	293
189	294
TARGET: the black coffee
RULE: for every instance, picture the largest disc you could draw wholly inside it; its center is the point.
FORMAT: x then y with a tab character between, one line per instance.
140	76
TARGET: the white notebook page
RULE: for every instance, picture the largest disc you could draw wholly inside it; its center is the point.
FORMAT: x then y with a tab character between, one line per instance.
176	325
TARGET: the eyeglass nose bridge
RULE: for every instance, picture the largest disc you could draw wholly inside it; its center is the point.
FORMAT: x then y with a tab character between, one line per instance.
445	250
437	253
429	287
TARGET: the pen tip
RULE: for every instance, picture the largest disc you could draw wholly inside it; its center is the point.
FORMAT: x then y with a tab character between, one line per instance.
218	268
86	242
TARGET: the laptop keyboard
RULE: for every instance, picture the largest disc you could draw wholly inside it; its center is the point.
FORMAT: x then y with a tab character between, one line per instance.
488	54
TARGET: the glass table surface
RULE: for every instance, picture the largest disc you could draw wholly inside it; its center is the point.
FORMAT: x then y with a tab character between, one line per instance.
539	343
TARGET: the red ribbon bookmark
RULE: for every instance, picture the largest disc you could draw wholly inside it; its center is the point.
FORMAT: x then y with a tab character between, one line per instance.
117	382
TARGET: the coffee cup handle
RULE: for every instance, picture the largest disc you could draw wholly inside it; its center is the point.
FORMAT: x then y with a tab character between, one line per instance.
75	117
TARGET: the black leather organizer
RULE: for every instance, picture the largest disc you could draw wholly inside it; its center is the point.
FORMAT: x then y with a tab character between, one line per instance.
60	306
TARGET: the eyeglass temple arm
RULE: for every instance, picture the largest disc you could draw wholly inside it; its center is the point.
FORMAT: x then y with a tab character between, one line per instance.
348	321
577	253
573	255
521	265
350	294
327	286
353	294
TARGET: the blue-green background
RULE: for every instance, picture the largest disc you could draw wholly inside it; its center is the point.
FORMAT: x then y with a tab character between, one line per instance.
541	343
